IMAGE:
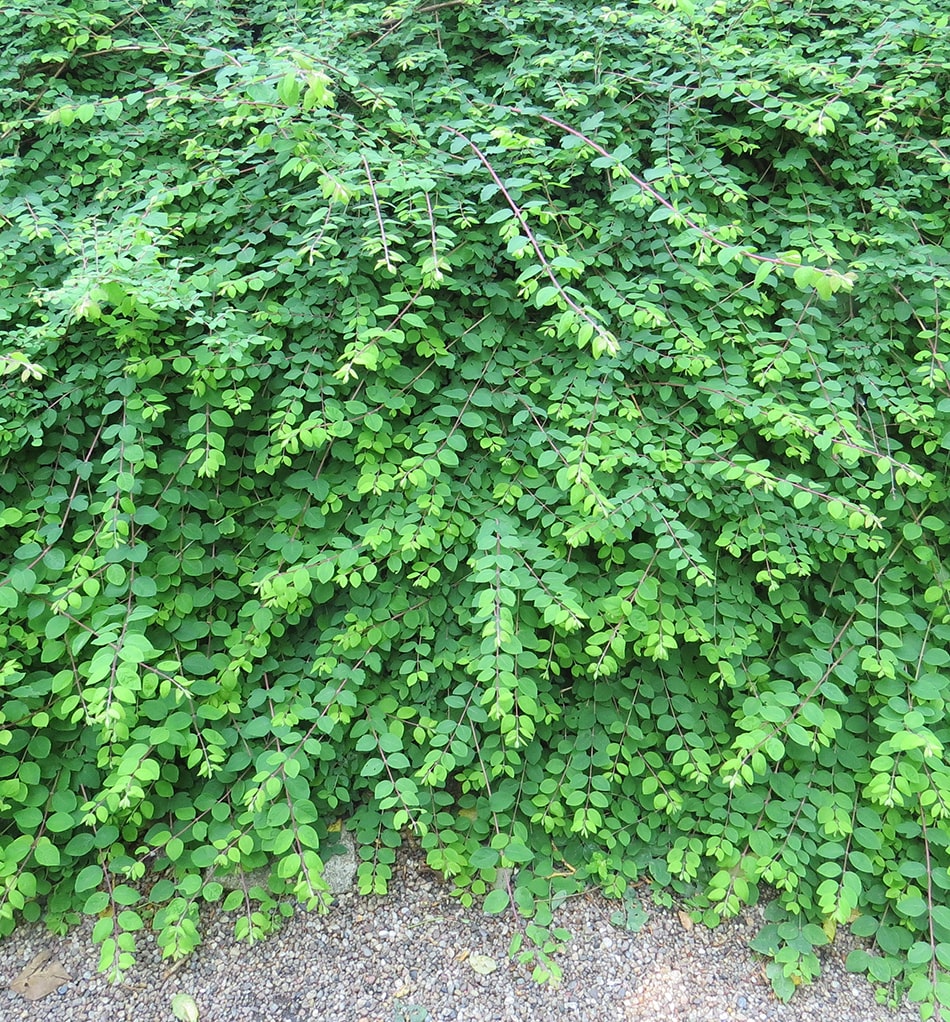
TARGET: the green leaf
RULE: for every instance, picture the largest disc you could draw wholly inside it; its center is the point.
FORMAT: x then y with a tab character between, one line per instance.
88	878
122	894
858	960
496	901
96	903
912	905
46	853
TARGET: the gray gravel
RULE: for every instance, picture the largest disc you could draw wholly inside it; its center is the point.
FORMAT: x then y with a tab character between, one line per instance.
406	958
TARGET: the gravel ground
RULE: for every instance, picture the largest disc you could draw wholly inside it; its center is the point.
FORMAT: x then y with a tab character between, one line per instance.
407	958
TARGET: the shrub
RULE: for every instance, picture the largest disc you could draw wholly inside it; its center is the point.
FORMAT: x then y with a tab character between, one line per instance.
521	427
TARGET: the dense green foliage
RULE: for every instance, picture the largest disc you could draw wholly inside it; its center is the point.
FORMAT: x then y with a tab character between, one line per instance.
522	426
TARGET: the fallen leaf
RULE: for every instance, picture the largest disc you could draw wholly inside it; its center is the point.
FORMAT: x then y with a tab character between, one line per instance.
482	964
632	917
409	1013
462	955
686	920
403	991
40	978
184	1008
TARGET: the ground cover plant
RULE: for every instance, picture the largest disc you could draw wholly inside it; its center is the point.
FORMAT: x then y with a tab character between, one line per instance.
521	427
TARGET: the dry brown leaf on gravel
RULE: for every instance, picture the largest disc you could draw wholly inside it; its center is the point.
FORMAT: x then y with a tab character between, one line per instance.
40	978
686	920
